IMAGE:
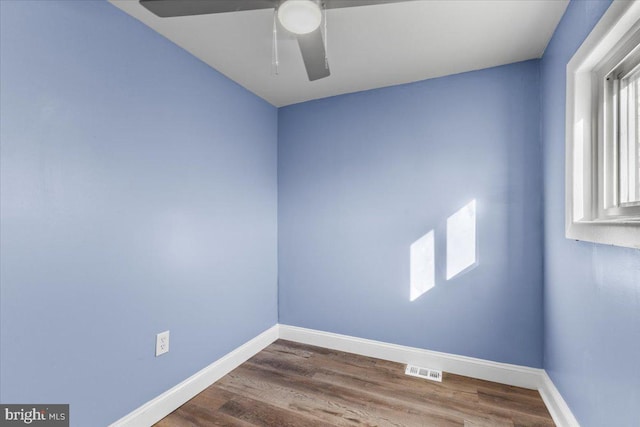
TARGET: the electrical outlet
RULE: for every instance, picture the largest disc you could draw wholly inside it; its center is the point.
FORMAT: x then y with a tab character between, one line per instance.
162	343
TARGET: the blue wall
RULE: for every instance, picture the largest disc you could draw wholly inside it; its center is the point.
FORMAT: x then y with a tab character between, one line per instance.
364	175
138	195
592	292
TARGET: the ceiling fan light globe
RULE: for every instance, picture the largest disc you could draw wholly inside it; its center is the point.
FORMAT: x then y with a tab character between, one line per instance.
300	16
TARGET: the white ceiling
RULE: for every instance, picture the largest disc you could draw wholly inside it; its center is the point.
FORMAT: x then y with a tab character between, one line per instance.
368	47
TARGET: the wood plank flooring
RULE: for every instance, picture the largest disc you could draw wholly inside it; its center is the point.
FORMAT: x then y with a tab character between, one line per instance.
291	384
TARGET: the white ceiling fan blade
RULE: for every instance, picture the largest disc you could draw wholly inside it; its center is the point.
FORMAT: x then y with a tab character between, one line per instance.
171	8
313	54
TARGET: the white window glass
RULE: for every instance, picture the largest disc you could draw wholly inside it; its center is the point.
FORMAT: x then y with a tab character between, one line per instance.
629	143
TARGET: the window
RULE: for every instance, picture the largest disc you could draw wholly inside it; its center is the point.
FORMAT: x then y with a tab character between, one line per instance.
618	105
603	131
627	89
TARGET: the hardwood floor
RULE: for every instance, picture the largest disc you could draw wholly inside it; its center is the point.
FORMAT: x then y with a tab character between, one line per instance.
291	384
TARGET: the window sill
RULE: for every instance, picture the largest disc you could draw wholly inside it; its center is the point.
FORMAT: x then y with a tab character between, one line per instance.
610	232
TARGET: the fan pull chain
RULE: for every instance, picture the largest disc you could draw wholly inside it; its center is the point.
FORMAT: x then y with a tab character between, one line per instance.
274	54
326	55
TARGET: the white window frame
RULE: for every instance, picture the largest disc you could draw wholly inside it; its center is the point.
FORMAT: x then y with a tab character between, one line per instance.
592	211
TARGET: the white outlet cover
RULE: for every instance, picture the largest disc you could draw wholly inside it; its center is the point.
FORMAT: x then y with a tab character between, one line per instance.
162	343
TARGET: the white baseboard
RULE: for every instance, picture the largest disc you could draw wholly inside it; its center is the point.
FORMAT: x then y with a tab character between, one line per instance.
461	365
504	373
158	408
556	405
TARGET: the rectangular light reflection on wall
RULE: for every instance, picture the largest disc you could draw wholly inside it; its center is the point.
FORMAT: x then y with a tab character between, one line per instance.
461	240
422	262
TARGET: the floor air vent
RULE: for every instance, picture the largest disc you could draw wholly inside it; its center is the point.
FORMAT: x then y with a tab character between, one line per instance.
426	373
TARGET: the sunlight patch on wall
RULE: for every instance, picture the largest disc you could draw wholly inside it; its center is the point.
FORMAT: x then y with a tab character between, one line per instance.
422	263
461	240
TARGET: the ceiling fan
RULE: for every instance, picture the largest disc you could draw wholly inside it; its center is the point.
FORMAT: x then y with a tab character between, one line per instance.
302	18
